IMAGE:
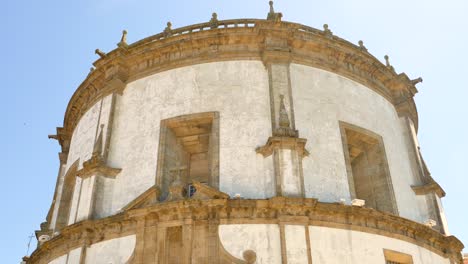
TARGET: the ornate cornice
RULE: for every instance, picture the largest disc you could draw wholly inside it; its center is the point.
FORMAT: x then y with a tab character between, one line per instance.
430	187
239	39
239	211
97	166
283	143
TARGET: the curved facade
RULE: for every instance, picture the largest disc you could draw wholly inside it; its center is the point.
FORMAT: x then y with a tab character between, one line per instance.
243	141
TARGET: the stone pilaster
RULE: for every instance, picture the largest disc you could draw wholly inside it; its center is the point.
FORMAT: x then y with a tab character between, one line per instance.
284	144
94	174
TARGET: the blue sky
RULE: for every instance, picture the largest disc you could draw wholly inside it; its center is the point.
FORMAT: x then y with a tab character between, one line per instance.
48	48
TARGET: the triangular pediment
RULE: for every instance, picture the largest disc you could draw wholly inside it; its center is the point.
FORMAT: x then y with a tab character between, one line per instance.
149	197
205	192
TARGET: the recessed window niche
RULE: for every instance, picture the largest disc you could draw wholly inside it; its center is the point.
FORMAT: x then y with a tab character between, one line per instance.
367	168
188	151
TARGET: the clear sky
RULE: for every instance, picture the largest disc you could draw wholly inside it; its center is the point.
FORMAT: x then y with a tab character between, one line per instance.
48	47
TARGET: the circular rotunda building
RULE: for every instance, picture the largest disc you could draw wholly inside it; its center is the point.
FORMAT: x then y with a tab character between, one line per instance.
243	141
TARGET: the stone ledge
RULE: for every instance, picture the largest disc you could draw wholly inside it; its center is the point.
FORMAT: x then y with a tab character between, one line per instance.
255	211
283	143
430	187
300	44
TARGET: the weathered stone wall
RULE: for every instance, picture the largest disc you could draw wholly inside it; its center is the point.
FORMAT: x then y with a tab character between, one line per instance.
85	133
118	250
72	257
238	90
81	148
330	246
327	245
263	239
321	100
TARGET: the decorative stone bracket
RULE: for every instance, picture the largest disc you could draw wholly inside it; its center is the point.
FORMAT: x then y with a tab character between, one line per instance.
430	187
239	211
293	143
97	166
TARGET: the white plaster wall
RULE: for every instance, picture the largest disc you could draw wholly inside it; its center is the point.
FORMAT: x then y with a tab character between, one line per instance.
82	141
58	196
103	197
443	217
411	141
81	146
104	119
114	251
296	245
60	260
85	133
237	89
84	203
290	175
422	208
75	201
330	245
264	239
74	256
321	100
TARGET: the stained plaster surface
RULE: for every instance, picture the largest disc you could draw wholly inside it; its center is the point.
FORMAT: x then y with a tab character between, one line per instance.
331	245
239	91
117	250
263	239
296	244
321	100
72	257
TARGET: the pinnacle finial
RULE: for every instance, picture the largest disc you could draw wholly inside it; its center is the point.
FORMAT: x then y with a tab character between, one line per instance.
361	45
168	29
124	37
387	63
97	148
123	40
100	53
214	20
272	16
283	114
327	31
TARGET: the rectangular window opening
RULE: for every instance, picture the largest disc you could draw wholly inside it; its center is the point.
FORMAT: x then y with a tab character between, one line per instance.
189	151
367	168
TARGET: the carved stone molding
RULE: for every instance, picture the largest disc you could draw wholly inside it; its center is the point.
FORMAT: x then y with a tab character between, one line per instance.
149	197
96	166
304	211
240	39
430	187
283	143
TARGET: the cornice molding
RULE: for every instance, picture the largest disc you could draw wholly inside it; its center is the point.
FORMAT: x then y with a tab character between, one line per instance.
430	187
276	210
284	143
97	166
240	39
